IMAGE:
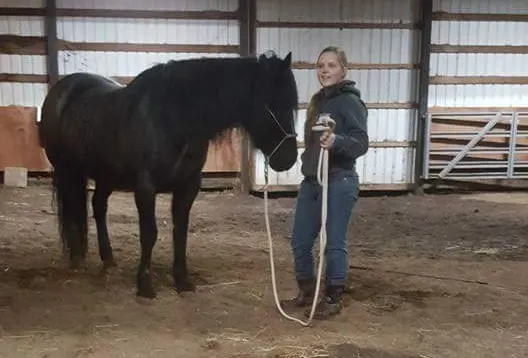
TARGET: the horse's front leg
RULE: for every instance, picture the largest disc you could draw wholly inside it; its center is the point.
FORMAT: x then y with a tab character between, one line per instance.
145	197
182	200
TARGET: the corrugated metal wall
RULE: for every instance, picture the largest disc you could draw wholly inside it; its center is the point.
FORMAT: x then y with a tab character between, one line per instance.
112	30
477	61
381	38
144	31
478	67
382	45
119	45
22	93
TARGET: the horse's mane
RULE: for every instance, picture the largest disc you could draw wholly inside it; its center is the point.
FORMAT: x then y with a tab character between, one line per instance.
185	94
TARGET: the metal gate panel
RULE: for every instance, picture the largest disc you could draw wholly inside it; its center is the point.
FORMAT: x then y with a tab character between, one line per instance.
482	145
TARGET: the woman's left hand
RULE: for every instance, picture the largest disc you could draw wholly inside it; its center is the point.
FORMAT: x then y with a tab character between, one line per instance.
327	139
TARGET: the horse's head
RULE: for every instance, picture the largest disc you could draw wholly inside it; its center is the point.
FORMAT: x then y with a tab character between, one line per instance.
272	130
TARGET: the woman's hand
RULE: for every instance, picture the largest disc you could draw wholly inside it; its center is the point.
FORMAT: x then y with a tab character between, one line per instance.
327	139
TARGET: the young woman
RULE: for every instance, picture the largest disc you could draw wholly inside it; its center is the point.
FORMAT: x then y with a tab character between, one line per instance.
341	100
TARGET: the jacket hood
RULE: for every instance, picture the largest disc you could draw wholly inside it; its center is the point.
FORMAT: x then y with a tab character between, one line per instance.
345	86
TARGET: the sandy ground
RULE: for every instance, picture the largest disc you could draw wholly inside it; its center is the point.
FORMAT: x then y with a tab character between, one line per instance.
476	305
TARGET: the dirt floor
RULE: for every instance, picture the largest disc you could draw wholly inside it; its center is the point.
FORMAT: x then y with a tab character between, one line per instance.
476	305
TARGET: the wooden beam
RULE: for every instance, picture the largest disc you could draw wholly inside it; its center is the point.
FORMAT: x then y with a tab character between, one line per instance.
52	53
22	11
338	25
449	16
146	47
479	49
23	78
302	65
37	45
149	14
124	14
22	45
478	80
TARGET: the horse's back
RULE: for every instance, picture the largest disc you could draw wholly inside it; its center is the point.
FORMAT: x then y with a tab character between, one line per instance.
62	111
64	94
69	88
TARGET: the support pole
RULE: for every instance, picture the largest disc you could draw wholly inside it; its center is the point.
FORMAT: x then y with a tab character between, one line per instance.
423	90
247	23
50	25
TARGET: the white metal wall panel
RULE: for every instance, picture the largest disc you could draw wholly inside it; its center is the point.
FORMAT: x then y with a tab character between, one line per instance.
87	29
22	25
361	45
382	11
22	94
23	64
478	96
472	64
120	63
185	5
155	31
482	6
23	3
15	93
381	165
479	33
376	86
144	31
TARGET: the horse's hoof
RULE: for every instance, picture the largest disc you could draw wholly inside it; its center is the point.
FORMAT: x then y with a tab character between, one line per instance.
109	263
76	263
146	292
185	286
144	287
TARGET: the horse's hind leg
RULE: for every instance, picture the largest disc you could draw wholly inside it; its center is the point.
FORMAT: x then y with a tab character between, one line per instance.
71	196
182	201
100	208
145	197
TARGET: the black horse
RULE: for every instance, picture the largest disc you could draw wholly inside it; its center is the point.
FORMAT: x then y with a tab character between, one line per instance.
152	136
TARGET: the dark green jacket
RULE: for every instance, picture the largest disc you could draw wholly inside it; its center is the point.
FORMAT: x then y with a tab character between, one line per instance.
344	104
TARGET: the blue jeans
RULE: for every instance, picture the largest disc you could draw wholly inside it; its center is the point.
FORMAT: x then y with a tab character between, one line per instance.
343	188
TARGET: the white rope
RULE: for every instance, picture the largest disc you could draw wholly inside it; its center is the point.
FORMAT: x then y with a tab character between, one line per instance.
322	178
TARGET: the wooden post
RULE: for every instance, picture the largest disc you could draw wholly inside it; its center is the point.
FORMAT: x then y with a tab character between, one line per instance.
423	89
247	23
52	61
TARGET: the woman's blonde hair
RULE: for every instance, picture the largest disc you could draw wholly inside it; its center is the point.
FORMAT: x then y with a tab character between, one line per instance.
314	101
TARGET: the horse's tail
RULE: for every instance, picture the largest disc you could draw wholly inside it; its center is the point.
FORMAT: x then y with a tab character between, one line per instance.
70	197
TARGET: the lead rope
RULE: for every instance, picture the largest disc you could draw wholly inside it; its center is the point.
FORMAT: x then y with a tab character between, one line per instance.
322	178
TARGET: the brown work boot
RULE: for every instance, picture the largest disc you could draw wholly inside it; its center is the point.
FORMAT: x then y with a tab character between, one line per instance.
304	297
330	305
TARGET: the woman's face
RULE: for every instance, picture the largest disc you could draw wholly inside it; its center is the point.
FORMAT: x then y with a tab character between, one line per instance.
329	70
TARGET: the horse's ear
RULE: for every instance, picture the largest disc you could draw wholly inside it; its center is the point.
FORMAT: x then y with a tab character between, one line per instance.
267	55
287	60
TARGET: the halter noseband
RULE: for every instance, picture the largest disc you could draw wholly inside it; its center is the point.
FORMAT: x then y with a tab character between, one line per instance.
284	138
